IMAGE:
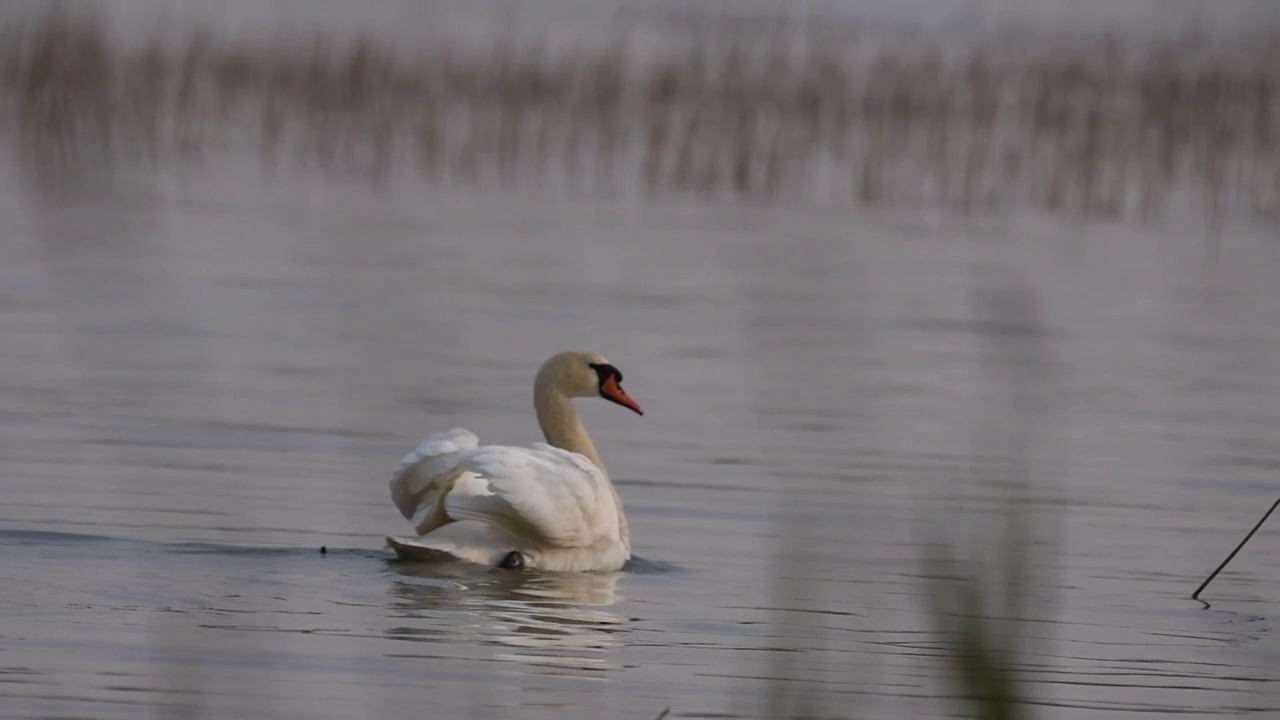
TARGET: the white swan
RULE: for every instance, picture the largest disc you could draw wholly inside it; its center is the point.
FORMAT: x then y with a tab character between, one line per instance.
548	506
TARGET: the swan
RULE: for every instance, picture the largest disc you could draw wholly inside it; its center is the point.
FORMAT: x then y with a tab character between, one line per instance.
548	506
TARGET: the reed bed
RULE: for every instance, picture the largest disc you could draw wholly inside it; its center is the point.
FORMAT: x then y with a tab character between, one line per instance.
1104	129
1100	126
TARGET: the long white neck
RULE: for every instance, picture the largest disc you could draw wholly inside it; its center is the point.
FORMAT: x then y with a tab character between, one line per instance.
562	427
560	424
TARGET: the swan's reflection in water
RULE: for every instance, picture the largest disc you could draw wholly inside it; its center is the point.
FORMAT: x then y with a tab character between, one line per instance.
549	620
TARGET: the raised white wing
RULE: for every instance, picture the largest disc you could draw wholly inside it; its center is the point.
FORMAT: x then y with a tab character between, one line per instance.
542	493
426	474
553	496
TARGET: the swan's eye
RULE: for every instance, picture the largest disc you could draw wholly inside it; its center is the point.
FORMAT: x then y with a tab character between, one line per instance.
604	371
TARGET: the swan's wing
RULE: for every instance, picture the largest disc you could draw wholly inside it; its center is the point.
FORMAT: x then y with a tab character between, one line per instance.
429	472
541	492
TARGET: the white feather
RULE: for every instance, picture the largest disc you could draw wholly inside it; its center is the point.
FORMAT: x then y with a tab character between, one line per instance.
555	496
428	472
541	499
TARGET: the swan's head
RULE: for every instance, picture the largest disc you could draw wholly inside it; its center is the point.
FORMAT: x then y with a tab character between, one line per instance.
586	374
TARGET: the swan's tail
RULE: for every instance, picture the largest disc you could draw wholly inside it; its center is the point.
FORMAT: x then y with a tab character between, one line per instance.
415	549
465	540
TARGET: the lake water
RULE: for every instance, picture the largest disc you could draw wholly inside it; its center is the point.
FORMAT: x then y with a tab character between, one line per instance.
209	373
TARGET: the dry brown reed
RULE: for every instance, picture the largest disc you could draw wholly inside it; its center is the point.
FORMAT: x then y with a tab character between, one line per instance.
1101	127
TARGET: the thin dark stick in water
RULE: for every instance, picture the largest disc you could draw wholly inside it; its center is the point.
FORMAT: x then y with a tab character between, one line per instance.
1196	595
664	713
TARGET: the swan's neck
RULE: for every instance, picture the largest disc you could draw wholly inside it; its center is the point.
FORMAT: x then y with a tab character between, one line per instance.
562	428
561	425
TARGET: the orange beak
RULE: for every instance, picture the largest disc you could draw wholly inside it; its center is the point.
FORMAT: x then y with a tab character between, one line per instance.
610	390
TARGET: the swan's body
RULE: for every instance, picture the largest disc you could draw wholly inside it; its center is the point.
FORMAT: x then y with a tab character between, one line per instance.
548	506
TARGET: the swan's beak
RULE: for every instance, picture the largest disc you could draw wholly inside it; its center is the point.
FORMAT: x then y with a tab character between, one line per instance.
610	390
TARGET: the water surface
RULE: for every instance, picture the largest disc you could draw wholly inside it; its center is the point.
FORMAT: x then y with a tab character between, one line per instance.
209	373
